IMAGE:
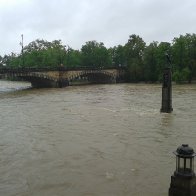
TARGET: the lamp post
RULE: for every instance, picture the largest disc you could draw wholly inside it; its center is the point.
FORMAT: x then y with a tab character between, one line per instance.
183	181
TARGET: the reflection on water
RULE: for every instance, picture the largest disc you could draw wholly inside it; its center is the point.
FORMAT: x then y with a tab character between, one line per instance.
166	120
97	140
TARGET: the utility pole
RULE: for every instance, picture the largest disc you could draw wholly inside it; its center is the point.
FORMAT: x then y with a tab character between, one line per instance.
21	43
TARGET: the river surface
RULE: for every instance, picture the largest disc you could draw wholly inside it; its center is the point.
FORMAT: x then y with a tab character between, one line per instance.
95	140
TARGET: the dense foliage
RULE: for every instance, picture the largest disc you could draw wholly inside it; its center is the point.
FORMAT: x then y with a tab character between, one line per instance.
142	62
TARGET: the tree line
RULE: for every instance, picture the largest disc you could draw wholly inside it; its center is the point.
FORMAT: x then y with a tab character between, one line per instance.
142	62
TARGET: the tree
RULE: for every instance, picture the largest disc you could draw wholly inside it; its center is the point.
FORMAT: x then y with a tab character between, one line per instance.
117	54
73	58
95	54
41	53
150	62
163	48
179	53
10	60
191	60
184	52
134	50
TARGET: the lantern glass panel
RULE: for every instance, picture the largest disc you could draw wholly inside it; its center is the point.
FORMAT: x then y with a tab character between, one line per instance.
181	163
177	163
188	169
188	163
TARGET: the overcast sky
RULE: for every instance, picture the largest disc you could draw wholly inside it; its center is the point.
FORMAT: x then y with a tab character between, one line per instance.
109	21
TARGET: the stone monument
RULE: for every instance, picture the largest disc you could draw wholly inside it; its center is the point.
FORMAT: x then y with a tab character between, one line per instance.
167	88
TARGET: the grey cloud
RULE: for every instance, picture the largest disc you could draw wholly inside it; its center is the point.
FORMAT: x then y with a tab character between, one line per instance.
78	21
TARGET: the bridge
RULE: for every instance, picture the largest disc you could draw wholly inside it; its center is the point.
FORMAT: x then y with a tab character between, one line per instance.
61	77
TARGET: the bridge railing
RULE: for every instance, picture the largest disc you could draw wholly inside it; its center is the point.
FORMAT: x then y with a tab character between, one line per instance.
25	69
44	69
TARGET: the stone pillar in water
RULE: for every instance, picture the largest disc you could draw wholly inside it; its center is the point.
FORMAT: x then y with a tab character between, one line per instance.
167	91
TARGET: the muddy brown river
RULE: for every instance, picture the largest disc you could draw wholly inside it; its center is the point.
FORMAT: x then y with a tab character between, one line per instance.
94	140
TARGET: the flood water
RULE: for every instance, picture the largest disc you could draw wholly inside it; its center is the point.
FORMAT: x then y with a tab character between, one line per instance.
95	140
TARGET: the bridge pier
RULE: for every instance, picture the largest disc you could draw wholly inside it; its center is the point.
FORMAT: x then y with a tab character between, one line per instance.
44	84
62	83
49	84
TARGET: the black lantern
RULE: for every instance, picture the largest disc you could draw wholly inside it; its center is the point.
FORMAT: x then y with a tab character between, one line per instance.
185	160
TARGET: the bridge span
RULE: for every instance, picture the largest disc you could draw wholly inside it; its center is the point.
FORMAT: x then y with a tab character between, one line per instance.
62	77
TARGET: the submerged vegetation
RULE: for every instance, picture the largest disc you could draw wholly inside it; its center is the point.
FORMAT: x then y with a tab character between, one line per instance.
142	62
